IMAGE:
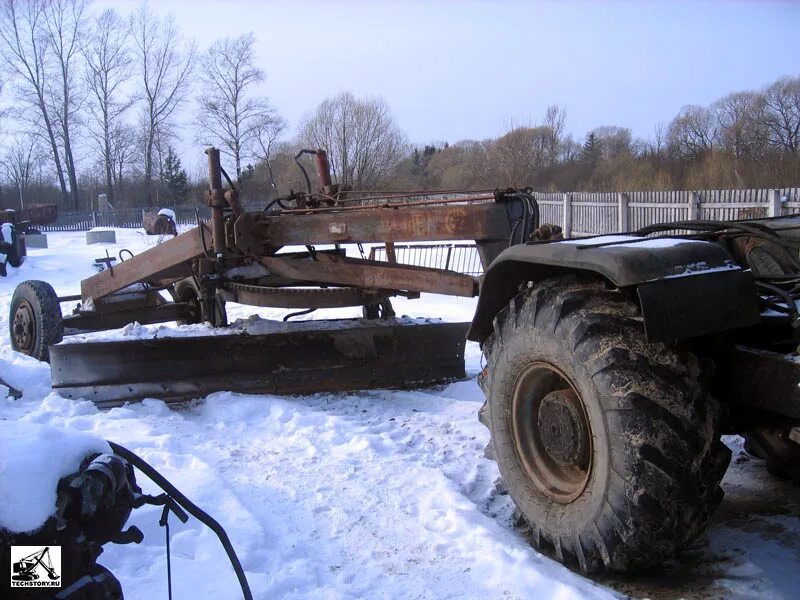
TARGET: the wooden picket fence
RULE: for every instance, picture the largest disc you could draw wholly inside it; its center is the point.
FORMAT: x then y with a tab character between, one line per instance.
593	213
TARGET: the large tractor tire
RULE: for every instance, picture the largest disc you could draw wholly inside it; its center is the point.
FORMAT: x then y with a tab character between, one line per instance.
607	444
35	319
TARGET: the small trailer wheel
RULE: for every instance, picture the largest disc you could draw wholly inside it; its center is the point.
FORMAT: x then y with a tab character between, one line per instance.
35	319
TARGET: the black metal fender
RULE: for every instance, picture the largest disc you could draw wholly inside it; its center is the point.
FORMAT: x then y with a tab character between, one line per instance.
686	288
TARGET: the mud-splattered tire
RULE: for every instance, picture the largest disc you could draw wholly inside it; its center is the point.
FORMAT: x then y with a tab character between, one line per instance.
35	319
608	445
780	453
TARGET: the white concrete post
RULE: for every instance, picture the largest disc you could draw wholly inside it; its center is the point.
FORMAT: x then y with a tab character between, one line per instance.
775	208
623	218
694	206
566	222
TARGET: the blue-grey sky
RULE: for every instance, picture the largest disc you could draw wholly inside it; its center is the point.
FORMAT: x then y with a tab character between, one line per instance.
455	70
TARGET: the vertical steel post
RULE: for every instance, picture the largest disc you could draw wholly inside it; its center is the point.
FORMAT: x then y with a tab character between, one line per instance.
324	168
216	200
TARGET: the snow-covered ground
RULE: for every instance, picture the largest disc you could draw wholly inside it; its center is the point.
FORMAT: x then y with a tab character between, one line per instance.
381	494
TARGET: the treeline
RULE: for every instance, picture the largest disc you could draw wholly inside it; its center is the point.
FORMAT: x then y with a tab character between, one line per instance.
95	101
96	98
747	139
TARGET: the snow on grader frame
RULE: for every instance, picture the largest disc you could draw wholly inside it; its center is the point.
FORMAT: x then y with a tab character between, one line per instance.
613	364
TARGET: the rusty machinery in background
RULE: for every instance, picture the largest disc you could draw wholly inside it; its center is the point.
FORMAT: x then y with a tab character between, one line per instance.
613	364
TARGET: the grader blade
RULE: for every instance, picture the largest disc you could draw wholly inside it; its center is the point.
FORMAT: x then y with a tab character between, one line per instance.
309	357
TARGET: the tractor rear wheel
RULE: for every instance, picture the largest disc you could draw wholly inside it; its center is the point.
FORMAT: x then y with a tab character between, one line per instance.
607	444
35	319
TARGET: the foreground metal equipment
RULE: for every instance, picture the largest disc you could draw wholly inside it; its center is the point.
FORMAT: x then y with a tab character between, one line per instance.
92	507
613	364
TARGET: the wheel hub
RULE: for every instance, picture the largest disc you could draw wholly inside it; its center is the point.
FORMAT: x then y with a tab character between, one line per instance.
561	427
552	435
23	327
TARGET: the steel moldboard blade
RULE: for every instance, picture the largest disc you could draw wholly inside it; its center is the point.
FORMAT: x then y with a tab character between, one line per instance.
348	355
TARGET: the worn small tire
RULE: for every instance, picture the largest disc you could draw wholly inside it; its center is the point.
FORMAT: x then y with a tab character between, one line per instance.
185	290
608	445
35	319
16	251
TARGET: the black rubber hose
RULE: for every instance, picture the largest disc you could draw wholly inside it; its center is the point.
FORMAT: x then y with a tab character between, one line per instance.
302	168
191	508
227	178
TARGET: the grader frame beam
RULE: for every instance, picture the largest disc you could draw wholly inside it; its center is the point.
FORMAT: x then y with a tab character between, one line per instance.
260	236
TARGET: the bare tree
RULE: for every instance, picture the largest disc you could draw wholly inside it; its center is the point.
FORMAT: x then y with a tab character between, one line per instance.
361	138
108	67
231	116
614	141
164	63
24	51
555	120
65	27
20	164
691	134
782	114
740	127
656	145
518	154
123	152
265	133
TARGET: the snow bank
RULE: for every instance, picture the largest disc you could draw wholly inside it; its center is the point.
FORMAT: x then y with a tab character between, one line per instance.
33	458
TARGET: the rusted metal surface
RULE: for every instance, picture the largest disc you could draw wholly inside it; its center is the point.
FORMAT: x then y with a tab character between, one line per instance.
391	256
372	202
376	225
38	214
173	256
339	270
324	168
256	295
316	357
155	224
216	200
99	321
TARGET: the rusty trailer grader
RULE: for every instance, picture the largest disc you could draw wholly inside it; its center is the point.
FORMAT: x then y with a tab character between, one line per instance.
613	364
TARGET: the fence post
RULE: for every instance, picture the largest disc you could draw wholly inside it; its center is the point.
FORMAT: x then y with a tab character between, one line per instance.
94	219
566	221
623	222
694	206
775	208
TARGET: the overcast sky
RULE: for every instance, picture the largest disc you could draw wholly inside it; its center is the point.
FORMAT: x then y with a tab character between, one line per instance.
453	70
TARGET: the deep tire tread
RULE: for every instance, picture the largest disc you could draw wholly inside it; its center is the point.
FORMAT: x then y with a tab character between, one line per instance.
47	314
667	459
